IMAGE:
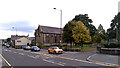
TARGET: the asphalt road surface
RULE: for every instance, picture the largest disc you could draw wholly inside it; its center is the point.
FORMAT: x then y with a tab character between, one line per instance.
20	57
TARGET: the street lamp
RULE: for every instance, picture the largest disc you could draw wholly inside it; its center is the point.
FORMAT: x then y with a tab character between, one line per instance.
60	26
16	30
16	34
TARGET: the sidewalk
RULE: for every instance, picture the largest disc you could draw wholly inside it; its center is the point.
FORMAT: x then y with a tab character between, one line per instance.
0	62
107	59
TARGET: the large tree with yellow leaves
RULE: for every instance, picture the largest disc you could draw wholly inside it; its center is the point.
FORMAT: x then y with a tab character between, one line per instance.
81	33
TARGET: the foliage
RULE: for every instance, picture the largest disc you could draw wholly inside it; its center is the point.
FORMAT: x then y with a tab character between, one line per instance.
114	30
96	38
103	41
112	45
111	34
79	48
99	35
67	32
81	33
87	22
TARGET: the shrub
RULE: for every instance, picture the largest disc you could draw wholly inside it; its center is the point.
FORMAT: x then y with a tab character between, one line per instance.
112	45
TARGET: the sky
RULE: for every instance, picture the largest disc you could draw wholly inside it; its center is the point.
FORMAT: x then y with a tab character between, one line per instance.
26	15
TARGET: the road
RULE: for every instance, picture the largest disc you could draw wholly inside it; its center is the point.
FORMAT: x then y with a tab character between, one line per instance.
109	59
20	57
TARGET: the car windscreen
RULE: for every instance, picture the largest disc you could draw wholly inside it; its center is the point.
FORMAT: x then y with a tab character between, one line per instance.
56	48
28	46
34	47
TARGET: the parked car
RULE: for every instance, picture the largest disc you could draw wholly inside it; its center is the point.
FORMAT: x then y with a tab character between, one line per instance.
35	48
55	50
27	48
7	45
3	44
23	46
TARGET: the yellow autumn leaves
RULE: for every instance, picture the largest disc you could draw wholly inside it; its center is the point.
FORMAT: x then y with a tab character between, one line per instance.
81	33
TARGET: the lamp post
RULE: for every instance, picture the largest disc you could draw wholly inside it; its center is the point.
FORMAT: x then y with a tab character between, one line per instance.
60	27
16	35
16	30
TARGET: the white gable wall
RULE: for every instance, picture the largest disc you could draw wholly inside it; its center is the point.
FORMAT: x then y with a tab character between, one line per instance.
0	42
22	41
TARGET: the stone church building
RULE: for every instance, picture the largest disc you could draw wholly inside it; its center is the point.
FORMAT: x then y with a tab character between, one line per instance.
48	36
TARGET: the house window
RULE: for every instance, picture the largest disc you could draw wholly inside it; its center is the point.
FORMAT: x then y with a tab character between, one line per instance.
47	39
55	39
39	35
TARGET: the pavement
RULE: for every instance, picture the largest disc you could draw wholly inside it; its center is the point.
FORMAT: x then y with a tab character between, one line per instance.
106	59
0	57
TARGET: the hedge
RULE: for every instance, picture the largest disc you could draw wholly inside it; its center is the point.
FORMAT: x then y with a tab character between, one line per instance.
112	45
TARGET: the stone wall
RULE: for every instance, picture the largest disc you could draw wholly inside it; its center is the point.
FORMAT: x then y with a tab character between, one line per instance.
112	51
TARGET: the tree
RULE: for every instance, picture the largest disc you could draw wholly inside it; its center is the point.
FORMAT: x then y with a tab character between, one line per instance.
99	35
114	30
102	32
67	32
81	33
87	22
35	34
96	38
111	34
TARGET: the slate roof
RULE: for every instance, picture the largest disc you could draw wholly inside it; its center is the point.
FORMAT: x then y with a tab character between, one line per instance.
47	29
31	38
14	37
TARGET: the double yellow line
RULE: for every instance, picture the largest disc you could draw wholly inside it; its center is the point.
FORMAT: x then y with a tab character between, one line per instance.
5	60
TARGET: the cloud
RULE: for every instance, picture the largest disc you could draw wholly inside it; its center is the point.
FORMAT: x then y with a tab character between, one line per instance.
21	26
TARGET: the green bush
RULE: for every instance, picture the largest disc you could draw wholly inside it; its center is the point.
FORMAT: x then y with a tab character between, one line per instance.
112	45
43	47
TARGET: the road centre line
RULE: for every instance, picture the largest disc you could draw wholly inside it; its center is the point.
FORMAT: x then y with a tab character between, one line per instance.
5	60
53	62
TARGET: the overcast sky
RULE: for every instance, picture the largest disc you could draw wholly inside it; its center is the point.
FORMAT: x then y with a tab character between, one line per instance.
26	15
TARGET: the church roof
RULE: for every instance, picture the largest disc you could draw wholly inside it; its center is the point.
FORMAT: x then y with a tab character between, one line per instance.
53	30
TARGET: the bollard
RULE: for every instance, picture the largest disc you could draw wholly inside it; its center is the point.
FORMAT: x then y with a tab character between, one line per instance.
9	47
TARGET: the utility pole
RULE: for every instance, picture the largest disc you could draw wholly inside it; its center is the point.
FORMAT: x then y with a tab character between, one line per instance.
60	27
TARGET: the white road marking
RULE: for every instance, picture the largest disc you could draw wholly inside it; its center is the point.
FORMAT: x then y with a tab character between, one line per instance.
5	50
9	50
47	57
37	56
21	53
0	59
53	62
15	52
31	56
91	56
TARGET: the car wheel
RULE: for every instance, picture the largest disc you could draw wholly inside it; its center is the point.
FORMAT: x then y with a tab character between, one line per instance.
49	52
55	52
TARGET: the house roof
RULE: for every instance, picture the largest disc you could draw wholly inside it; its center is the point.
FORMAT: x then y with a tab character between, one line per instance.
31	38
14	37
53	30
